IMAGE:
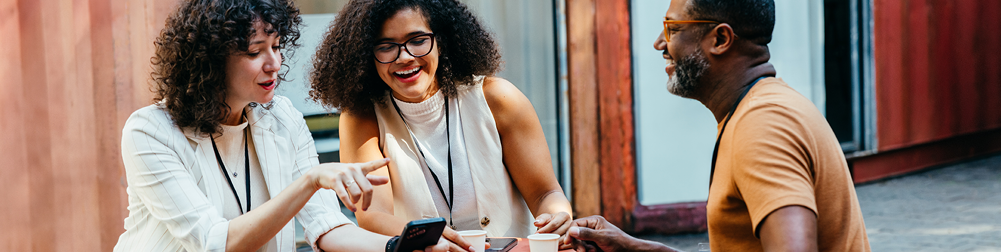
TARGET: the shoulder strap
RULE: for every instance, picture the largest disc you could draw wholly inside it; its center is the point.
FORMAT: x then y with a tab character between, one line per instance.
733	109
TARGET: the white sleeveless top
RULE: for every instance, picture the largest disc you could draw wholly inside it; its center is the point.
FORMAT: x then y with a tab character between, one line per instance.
499	207
426	120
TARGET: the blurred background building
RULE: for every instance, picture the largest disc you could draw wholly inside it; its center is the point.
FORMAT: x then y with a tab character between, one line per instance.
905	84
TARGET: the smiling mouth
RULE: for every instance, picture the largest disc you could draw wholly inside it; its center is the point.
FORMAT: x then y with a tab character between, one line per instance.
405	74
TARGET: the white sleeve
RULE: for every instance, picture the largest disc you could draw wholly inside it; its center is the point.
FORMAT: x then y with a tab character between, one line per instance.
151	147
322	212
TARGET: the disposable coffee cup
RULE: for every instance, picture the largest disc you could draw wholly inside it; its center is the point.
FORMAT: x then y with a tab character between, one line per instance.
543	242
478	238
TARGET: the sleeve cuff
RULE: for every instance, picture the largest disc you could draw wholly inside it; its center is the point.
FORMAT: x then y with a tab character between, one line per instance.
322	225
759	214
216	239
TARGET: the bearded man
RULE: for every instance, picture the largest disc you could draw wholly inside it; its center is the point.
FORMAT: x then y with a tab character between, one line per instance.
779	180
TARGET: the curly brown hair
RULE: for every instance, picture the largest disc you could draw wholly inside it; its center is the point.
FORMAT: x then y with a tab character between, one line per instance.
344	74
189	65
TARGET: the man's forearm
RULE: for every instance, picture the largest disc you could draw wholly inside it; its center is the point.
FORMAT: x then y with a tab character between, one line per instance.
645	245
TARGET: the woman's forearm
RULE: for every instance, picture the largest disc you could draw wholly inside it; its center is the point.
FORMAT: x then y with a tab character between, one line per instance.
554	202
352	238
380	222
252	230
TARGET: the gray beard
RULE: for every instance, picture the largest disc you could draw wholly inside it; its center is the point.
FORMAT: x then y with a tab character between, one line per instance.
687	72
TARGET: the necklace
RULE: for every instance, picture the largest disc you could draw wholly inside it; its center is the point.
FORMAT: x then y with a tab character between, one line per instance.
246	171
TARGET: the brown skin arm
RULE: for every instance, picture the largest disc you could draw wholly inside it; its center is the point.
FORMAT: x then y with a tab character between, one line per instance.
594	233
526	155
790	228
359	135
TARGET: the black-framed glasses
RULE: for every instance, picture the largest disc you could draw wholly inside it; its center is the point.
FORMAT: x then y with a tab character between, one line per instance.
418	46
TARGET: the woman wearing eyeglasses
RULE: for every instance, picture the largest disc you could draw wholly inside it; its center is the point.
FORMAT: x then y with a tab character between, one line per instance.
219	162
414	81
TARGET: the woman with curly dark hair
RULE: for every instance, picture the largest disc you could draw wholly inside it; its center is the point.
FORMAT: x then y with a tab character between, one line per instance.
414	82
219	162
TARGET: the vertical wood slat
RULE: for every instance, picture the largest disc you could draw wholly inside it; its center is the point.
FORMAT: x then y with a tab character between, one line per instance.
601	116
583	88
14	174
941	38
990	20
964	27
108	133
888	50
614	75
36	123
73	73
918	71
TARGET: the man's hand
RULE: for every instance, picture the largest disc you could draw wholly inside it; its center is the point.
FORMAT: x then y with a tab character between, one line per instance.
594	233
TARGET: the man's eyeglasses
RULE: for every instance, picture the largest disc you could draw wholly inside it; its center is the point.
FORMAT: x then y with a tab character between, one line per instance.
419	46
668	32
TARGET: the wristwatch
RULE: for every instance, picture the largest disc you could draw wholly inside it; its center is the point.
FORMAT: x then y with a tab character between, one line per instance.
391	244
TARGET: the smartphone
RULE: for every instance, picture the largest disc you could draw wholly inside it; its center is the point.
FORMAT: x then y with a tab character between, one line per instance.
420	233
501	244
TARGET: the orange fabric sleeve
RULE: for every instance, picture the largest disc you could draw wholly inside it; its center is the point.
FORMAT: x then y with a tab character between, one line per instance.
772	163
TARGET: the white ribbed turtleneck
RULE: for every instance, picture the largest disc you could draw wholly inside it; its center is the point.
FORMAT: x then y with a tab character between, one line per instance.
426	121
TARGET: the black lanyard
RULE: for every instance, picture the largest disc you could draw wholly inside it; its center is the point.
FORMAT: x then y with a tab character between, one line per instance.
246	171
450	200
727	120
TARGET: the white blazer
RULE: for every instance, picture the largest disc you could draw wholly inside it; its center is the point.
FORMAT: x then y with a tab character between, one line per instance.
176	189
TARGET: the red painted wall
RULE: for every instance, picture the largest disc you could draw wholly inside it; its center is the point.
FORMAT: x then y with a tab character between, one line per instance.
72	73
938	84
938	69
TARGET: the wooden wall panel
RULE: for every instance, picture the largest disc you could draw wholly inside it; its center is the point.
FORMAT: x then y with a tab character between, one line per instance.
936	70
74	71
615	95
601	115
14	167
583	89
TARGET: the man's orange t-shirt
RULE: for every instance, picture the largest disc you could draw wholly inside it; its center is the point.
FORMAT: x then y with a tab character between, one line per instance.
777	151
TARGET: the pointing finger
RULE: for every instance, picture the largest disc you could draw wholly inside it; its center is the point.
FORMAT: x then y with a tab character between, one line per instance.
374	165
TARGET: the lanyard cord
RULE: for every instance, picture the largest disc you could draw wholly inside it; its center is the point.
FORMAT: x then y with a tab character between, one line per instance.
451	199
733	109
246	162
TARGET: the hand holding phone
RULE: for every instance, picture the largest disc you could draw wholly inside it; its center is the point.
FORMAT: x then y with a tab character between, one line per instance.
417	235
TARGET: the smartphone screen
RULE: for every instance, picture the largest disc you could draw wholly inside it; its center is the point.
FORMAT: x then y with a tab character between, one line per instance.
419	234
501	244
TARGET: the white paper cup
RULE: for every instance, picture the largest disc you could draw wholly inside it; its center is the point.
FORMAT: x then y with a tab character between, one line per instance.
476	237
543	242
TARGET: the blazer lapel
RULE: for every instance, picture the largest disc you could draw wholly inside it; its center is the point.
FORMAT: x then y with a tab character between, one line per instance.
206	170
272	150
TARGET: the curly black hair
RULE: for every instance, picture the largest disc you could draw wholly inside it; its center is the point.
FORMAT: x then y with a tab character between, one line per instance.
344	75
189	64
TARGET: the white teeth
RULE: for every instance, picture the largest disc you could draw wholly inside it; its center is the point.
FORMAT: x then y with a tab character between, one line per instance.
408	71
